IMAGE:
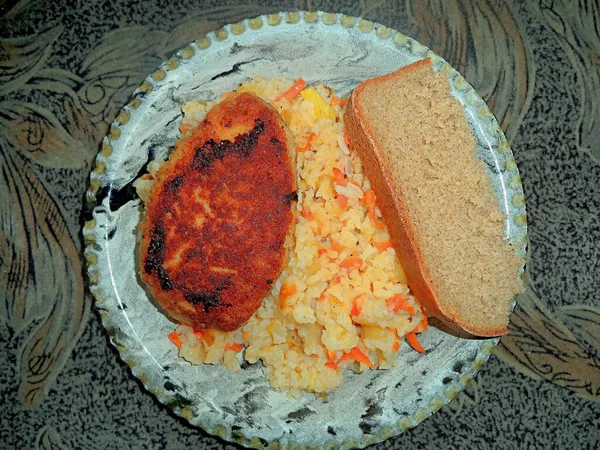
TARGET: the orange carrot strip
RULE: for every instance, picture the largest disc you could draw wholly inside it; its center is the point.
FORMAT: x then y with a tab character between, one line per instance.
347	140
331	355
337	101
354	182
209	337
352	262
357	354
356	309
342	201
299	85
400	303
383	245
414	342
303	148
287	290
423	324
199	334
307	214
396	346
370	198
331	365
356	305
175	339
235	347
336	247
393	331
339	177
322	251
307	144
370	204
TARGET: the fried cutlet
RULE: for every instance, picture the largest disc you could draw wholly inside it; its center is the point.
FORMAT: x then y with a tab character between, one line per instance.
219	217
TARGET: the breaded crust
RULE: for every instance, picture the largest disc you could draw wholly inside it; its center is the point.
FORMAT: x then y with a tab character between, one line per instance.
219	216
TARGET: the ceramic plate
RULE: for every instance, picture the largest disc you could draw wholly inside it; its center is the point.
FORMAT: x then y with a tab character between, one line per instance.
340	51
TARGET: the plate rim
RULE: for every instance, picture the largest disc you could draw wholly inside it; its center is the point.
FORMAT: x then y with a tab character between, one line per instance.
249	25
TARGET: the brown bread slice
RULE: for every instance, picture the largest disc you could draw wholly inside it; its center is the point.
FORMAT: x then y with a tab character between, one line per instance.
419	153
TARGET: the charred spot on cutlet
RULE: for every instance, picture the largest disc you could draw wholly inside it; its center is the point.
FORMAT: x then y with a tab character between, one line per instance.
209	299
289	198
212	151
155	257
173	185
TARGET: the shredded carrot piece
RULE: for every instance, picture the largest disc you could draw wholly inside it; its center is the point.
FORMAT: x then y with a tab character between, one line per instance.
336	280
287	290
307	144
352	262
331	356
321	298
357	354
175	339
331	365
293	91
307	214
414	342
400	303
235	347
356	306
369	200
396	346
209	337
303	148
339	177
337	101
393	331
423	324
383	245
347	140
342	201
199	334
354	182
336	247
322	251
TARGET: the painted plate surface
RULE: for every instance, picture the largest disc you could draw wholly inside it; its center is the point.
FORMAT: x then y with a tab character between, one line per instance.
340	51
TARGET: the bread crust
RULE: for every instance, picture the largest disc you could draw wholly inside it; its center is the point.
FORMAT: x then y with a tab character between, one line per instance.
395	213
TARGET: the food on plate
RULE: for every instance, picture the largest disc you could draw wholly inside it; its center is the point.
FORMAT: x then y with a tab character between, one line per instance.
418	152
341	302
219	214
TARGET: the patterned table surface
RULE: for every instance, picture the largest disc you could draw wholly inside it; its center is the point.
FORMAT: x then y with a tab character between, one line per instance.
67	67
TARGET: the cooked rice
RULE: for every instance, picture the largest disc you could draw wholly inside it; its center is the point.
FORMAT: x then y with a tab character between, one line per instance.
331	302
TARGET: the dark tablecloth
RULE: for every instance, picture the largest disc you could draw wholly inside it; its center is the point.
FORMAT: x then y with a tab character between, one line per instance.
67	67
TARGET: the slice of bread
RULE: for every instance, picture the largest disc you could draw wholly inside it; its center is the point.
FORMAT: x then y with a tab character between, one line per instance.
438	202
